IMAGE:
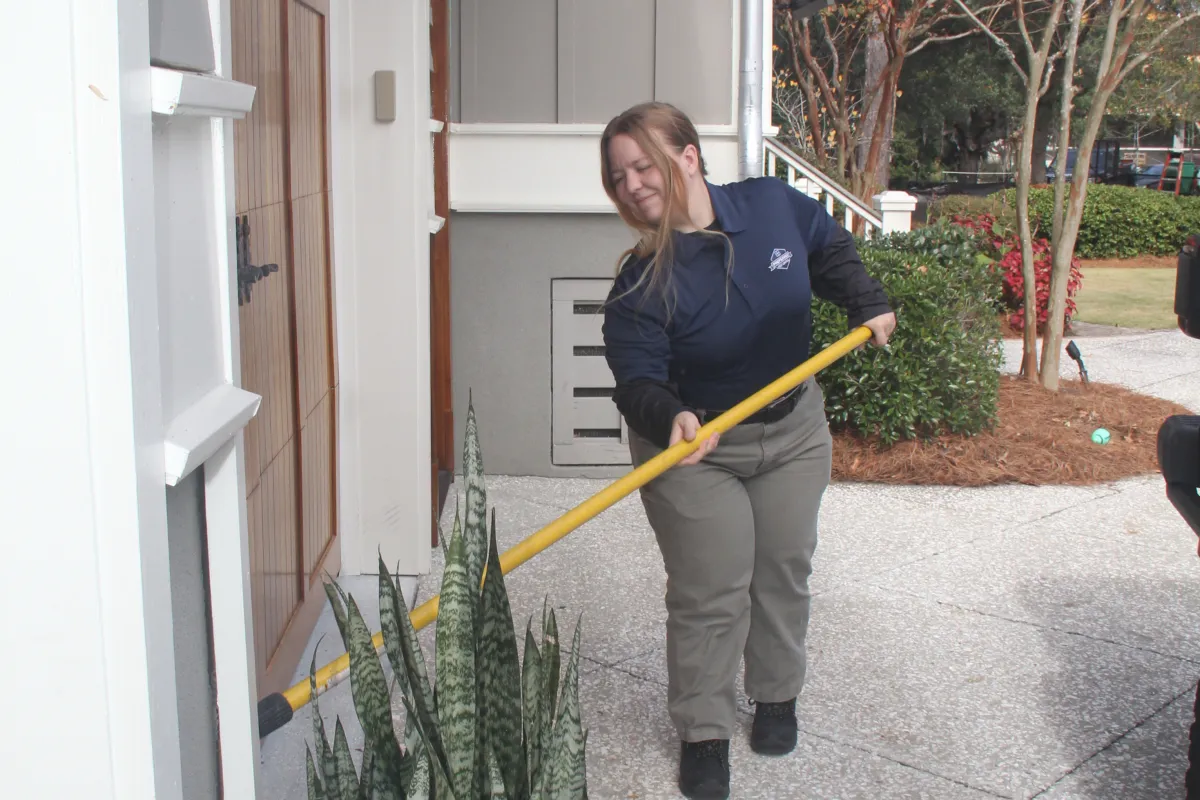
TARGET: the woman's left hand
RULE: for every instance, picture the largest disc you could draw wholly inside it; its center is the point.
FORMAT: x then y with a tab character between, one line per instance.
882	327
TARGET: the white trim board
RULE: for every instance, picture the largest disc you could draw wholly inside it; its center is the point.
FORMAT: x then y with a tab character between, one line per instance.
204	428
179	92
560	129
522	168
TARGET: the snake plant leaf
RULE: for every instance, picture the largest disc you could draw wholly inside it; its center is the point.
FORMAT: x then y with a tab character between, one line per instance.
389	622
384	785
315	791
337	601
329	770
414	743
551	648
347	778
438	776
407	760
579	772
456	696
366	782
422	695
551	664
501	708
475	525
442	790
456	529
328	765
408	764
494	788
372	702
420	787
567	743
482	781
531	683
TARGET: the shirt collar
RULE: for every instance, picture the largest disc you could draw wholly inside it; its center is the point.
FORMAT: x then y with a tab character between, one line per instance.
730	219
726	209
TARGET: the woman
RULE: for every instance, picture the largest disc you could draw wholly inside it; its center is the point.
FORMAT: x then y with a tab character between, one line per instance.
711	305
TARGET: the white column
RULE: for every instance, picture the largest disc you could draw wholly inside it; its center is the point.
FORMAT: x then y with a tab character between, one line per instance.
895	209
91	711
381	207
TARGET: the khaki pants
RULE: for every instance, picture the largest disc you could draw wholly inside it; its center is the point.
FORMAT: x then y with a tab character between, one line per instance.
737	533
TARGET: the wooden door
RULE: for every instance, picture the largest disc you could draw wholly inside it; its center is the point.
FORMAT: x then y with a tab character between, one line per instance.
287	345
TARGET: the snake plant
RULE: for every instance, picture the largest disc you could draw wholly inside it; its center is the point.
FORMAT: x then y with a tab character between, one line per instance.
495	726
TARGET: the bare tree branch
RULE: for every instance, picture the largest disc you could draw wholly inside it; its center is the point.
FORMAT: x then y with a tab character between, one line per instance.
1155	43
1115	14
1049	74
940	40
1029	49
1003	45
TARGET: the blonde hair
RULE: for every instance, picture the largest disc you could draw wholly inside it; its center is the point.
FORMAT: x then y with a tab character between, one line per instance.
655	127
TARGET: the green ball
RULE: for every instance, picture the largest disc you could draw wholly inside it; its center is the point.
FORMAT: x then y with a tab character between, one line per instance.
1101	436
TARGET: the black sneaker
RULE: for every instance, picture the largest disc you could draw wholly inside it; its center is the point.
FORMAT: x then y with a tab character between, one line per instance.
774	729
704	769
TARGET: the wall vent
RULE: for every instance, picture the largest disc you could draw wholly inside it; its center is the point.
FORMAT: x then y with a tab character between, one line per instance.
586	429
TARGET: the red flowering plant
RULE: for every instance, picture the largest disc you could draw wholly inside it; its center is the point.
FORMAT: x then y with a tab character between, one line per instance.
1006	245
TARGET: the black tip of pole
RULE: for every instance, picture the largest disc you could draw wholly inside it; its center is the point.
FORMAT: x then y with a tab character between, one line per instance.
274	711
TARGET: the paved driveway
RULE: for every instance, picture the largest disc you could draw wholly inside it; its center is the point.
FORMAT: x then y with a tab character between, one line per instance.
1000	642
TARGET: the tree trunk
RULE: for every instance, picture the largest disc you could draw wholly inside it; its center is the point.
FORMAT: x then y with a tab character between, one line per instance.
1064	247
814	117
1041	142
883	165
971	161
1108	77
877	58
887	108
1064	135
1029	360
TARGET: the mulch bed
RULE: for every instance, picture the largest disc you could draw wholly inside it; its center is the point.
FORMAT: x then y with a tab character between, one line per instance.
1007	331
1076	329
1041	438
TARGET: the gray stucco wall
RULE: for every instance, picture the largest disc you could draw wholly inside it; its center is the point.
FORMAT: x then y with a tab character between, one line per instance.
198	739
500	310
570	61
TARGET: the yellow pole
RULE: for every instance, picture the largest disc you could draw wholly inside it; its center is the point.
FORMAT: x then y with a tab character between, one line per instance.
517	555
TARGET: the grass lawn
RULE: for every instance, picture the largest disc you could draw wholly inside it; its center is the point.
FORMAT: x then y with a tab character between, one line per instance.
1127	298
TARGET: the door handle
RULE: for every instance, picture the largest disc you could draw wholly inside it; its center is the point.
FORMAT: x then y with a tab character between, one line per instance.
247	273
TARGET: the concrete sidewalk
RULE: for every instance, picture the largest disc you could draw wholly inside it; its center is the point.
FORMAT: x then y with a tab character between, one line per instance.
1002	642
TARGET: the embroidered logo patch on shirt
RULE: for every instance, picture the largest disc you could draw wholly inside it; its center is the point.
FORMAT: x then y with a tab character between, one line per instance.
780	259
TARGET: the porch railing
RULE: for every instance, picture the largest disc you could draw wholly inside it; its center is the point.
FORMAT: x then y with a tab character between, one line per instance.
892	212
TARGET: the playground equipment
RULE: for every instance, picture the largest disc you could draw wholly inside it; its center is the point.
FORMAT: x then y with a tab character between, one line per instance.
1183	175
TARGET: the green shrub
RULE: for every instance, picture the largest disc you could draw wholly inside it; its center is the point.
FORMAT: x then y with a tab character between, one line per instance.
496	727
999	205
941	371
1123	221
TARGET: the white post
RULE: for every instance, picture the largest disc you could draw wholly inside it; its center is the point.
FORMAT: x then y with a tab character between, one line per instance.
895	209
750	91
810	188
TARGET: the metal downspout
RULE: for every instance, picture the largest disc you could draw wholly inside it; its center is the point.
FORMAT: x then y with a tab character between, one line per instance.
750	90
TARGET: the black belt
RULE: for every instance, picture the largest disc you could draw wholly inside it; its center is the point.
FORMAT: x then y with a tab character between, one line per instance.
775	411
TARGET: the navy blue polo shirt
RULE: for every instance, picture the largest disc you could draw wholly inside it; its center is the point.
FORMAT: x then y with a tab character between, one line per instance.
717	340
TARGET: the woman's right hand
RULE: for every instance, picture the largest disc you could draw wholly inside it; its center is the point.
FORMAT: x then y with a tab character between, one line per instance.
684	428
